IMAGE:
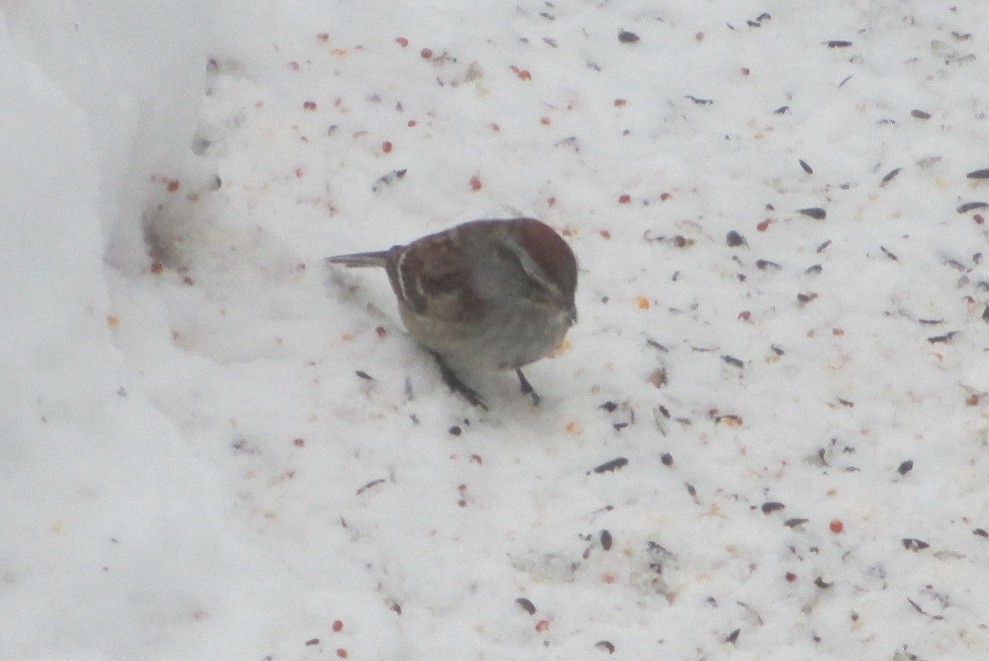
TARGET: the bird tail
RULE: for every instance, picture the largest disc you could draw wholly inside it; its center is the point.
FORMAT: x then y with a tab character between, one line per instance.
379	258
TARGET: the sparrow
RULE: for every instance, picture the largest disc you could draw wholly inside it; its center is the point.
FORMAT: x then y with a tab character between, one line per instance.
483	295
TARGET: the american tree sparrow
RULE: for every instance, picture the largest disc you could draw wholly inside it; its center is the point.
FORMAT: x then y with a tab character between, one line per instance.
486	295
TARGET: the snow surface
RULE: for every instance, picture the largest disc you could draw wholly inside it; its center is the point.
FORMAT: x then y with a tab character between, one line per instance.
216	447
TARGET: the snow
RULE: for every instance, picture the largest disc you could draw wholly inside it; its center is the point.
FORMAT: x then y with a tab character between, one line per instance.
216	446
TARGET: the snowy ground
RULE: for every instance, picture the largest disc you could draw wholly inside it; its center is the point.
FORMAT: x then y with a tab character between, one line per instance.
767	438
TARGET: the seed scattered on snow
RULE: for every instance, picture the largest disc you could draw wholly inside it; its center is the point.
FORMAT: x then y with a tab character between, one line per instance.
816	213
912	544
659	378
735	239
370	484
890	176
389	179
763	264
757	23
971	206
731	360
610	466
627	37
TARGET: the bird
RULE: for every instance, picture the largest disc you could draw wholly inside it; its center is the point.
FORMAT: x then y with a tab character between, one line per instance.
484	295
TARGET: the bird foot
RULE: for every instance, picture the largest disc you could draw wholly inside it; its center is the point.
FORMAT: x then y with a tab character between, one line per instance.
526	388
455	384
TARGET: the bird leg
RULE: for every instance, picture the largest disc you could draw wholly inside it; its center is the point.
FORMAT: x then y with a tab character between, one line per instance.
455	384
527	387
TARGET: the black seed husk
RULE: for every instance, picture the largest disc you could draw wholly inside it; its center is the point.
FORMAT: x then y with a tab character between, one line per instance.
610	466
816	213
627	37
971	206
